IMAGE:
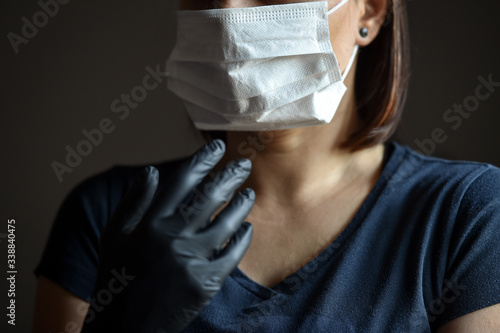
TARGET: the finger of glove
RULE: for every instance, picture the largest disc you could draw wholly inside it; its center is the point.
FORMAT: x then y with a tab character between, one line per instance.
227	222
231	255
210	195
186	177
134	204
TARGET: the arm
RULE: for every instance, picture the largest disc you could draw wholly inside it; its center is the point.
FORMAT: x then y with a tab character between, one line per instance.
481	321
56	309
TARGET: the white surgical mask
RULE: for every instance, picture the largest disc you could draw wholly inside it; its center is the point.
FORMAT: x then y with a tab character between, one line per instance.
257	68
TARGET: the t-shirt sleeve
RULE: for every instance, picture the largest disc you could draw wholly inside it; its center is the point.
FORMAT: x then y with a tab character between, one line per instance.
71	254
472	279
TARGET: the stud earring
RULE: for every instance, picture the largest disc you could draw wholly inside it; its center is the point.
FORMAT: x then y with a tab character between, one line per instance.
363	32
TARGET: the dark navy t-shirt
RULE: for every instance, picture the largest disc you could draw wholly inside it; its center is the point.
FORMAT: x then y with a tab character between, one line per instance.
423	249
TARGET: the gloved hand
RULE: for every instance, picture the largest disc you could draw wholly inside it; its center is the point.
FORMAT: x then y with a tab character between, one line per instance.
172	255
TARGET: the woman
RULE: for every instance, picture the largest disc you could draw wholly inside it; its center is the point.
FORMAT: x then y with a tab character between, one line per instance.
348	233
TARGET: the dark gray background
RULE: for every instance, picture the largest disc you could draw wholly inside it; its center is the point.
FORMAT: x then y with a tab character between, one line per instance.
65	79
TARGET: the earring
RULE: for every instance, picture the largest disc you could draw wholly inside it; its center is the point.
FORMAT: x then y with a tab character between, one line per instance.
363	32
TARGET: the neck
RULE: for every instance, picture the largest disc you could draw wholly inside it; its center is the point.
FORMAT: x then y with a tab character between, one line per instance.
289	167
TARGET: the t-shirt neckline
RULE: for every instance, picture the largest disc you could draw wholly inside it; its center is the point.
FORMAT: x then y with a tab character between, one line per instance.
393	156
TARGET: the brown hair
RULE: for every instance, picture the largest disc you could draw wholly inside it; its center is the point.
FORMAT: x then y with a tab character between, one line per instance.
381	81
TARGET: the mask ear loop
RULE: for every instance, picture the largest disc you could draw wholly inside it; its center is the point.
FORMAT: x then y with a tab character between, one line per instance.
355	51
351	61
340	4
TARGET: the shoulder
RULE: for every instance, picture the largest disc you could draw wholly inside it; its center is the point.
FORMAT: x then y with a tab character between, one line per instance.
445	200
106	188
437	177
87	208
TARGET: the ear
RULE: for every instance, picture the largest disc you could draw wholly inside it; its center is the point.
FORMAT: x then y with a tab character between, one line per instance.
372	16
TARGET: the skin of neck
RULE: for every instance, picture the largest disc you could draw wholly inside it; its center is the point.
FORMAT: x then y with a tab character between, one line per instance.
292	167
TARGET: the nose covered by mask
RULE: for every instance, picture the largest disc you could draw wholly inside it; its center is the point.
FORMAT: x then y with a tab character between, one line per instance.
257	68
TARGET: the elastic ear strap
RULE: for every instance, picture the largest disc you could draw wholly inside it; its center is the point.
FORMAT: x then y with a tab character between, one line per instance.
351	61
340	4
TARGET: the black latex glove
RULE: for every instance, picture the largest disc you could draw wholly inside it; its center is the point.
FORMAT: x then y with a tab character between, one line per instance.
172	256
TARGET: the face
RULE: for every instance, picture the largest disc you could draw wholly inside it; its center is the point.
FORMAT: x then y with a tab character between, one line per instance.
344	23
